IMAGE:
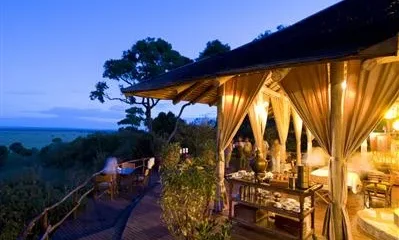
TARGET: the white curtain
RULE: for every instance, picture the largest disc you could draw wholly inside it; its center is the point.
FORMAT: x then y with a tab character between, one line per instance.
298	133
356	105
281	109
258	118
235	98
309	138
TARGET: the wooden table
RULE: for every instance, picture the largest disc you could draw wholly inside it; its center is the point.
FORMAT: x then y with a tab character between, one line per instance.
267	225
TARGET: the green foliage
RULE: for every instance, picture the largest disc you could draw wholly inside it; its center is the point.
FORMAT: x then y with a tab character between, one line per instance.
212	48
146	59
194	136
18	148
24	197
188	189
3	155
56	140
134	117
164	124
92	150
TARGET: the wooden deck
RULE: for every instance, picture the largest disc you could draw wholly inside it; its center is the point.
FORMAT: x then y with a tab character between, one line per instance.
134	217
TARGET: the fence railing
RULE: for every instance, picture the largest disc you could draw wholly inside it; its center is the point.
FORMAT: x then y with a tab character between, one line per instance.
46	228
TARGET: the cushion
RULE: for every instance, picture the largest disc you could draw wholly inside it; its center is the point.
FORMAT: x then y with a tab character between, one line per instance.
380	187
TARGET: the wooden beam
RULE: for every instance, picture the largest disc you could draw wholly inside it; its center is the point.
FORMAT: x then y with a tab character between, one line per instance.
186	92
214	102
269	92
387	47
222	80
203	94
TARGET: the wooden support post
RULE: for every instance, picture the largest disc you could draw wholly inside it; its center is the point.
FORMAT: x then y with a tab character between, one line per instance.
45	223
337	77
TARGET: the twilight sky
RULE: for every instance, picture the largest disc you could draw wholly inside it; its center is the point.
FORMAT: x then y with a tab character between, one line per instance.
52	52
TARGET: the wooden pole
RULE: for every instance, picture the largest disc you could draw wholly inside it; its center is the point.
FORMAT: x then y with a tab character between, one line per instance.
337	77
45	223
220	157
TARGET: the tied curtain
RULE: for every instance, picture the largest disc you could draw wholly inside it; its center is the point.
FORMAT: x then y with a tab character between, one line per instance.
281	109
257	114
309	138
235	98
298	123
355	95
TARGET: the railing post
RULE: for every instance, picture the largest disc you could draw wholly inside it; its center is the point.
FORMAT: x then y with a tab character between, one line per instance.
45	222
143	169
75	201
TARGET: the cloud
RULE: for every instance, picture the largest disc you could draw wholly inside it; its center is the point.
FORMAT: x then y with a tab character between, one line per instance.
118	108
105	120
25	93
67	112
91	118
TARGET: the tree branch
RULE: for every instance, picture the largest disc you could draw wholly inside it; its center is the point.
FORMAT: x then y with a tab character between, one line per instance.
154	103
126	81
177	121
120	99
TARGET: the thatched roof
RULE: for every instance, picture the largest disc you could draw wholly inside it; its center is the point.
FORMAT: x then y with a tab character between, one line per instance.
349	29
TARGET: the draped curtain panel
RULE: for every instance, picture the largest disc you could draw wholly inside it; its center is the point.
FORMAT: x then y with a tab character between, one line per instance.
298	123
309	137
235	98
258	118
281	109
369	91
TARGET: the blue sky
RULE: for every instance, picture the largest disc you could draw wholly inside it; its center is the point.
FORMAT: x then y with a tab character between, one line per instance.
52	52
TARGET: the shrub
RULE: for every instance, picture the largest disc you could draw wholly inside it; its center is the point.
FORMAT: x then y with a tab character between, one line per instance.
188	189
19	149
3	155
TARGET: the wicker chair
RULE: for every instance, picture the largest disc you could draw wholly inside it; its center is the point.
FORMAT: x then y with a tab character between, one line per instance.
128	165
128	179
106	183
378	186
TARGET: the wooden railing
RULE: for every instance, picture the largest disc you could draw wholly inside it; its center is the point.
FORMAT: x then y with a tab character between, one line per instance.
43	218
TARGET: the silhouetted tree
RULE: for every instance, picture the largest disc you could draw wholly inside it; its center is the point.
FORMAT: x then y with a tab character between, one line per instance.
134	117
212	48
269	32
19	149
164	123
146	59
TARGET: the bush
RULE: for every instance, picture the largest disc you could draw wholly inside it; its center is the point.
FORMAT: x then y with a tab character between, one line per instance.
19	149
188	189
3	155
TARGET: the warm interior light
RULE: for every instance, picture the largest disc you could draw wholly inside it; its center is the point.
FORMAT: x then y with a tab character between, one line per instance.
395	125
390	114
343	85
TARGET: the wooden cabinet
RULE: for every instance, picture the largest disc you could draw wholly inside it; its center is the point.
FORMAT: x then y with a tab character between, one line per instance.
251	209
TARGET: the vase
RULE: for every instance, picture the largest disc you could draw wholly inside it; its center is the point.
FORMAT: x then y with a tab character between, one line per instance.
258	164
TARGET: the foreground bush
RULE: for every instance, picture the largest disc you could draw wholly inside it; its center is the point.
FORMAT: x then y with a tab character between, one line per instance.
188	190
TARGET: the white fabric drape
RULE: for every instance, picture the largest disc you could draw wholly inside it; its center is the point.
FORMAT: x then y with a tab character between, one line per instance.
258	118
235	98
281	109
366	96
297	120
309	138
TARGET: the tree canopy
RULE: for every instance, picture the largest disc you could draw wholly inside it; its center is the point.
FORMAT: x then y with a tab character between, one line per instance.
146	59
212	48
134	117
269	32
